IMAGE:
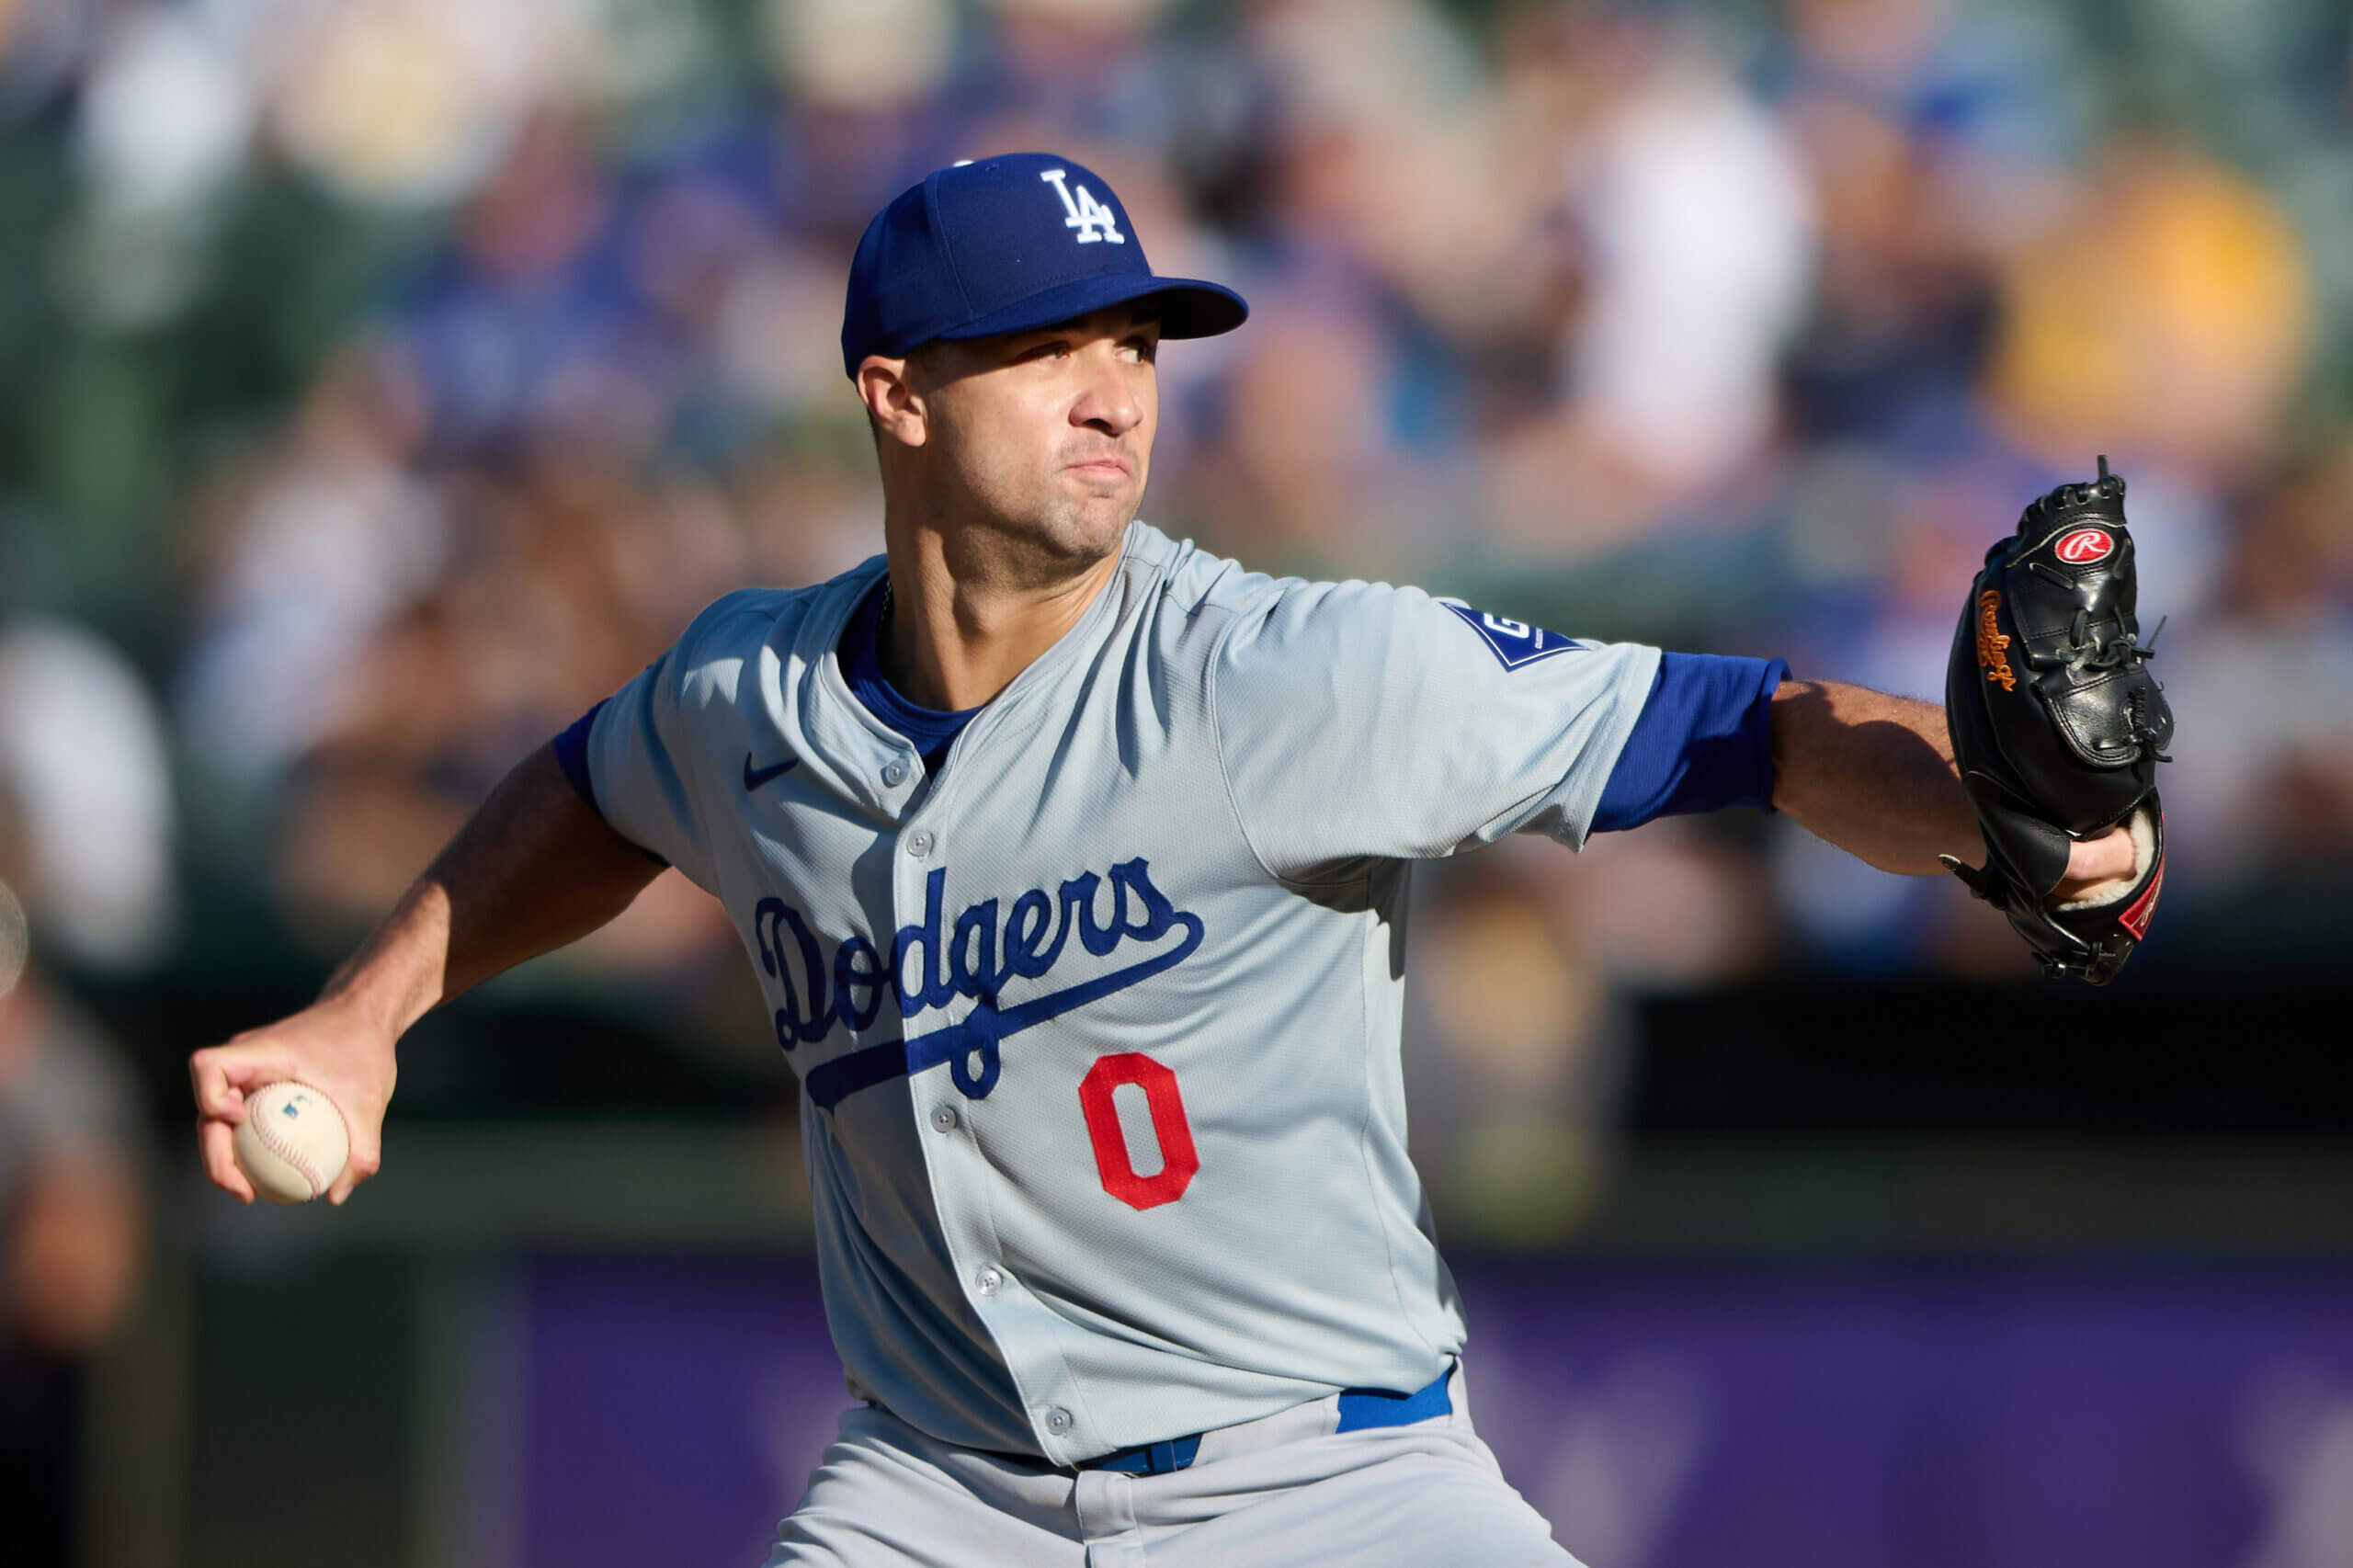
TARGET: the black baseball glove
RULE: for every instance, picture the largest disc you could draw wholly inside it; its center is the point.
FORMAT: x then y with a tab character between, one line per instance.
2058	726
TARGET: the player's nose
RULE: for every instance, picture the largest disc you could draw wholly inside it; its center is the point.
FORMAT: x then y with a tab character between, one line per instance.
1115	392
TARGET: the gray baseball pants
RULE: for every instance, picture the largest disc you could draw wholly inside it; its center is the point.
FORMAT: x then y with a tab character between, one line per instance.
1285	1490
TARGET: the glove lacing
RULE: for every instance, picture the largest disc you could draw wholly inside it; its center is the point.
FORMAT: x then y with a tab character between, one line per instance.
2085	655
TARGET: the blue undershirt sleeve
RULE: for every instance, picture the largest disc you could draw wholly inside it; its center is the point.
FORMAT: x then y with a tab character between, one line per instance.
572	755
1704	741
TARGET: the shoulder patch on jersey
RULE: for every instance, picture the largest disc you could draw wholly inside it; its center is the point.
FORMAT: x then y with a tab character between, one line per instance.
1513	643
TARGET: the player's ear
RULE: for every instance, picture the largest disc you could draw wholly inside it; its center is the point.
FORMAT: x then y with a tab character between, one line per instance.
887	387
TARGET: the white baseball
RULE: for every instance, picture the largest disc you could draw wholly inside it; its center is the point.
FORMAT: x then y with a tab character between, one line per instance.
292	1144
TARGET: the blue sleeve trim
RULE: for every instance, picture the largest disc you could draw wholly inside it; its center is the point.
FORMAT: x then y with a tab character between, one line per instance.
572	755
1704	741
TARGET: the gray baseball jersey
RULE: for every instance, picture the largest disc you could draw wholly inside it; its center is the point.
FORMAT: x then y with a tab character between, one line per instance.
1097	1028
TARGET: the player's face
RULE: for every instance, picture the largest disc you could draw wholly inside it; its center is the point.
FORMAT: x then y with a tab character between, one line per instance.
1048	434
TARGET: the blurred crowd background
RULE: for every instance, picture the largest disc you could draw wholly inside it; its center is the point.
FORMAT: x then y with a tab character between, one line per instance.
383	382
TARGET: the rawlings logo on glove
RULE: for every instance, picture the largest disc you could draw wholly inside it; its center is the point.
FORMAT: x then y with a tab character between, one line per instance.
2067	747
1992	646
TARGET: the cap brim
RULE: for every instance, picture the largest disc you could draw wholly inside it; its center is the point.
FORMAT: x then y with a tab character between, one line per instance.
1185	307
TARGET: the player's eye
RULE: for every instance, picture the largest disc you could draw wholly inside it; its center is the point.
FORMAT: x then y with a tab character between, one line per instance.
1141	350
1054	348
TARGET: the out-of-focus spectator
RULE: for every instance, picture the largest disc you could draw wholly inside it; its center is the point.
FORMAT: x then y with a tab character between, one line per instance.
411	102
531	325
82	753
300	556
1112	77
1698	227
855	57
861	113
1693	235
564	578
1938	140
42	43
2168	311
1298	473
166	113
72	1219
1678	906
2267	790
1516	1049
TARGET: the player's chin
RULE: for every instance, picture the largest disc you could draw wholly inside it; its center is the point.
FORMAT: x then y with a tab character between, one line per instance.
1080	536
1098	513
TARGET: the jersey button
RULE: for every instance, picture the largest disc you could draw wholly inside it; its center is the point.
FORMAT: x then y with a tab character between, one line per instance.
990	1281
943	1119
919	843
1060	1421
893	773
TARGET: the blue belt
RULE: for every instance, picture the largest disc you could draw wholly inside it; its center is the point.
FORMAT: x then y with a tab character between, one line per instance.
1359	1408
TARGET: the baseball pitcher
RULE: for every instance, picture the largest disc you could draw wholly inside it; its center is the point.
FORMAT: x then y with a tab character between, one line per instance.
1073	862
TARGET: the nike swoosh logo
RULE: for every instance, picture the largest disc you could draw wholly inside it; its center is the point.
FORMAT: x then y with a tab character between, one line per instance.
755	777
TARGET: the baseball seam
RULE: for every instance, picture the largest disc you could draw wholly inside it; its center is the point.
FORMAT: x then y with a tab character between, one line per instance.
276	1145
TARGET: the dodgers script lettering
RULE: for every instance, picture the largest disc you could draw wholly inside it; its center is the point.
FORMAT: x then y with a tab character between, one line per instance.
976	955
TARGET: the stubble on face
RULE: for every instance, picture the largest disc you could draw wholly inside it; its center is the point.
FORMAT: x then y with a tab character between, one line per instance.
1041	443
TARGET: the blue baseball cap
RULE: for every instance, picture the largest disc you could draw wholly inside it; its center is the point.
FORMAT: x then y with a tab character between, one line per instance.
1009	244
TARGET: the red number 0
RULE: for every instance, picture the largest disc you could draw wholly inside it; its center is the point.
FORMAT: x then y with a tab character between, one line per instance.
1177	1159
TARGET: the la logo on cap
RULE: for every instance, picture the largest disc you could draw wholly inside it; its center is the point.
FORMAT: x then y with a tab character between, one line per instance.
969	251
1094	221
